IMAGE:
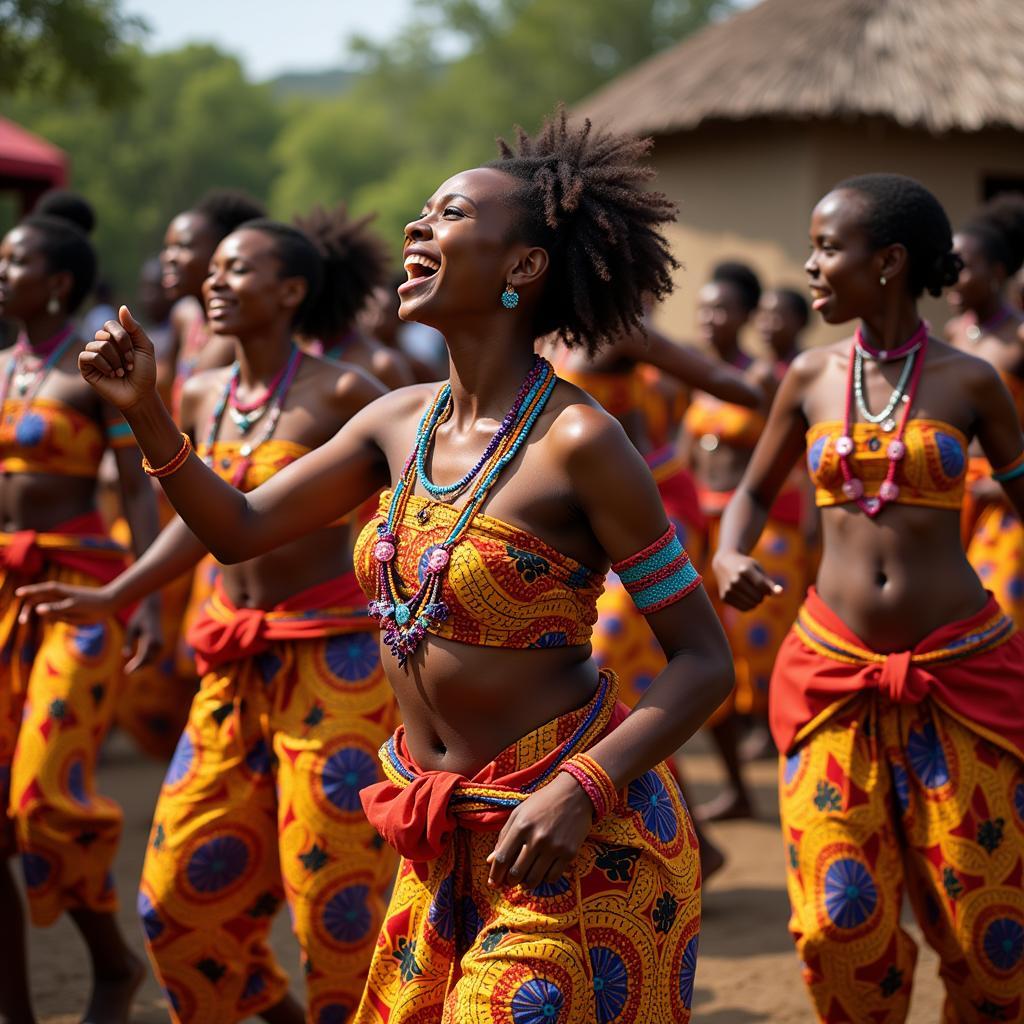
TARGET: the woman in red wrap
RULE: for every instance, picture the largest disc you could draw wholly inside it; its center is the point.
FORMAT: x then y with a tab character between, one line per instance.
549	871
896	697
261	801
59	684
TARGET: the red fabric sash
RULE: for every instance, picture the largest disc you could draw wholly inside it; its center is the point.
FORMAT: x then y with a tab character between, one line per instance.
787	508
418	811
222	632
984	688
80	544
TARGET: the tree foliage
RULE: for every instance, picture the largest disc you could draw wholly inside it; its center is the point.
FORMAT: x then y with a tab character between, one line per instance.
54	46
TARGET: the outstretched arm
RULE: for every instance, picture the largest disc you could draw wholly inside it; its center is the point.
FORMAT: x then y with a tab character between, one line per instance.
310	493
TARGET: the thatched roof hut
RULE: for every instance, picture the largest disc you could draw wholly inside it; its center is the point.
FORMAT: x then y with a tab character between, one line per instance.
756	116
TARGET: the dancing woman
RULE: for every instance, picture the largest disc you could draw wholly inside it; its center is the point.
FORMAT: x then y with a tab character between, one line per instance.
58	683
261	799
991	247
896	697
549	867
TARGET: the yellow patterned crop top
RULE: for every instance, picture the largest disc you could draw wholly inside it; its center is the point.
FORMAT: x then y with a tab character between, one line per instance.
729	424
504	587
267	460
932	474
53	437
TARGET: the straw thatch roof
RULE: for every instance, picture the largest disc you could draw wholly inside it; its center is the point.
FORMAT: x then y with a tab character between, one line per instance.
940	65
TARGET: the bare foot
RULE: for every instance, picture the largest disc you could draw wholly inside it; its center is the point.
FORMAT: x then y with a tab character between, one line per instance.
113	994
727	806
758	745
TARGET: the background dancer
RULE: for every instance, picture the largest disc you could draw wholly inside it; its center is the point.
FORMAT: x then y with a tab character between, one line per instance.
59	685
592	881
260	801
896	697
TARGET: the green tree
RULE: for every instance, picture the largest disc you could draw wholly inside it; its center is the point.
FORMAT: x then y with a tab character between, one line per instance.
54	46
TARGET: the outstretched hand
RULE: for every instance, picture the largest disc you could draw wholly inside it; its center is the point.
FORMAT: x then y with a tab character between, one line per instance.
120	362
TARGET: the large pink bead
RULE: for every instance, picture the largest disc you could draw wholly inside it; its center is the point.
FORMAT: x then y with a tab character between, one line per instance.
438	560
384	551
895	451
853	488
888	491
844	446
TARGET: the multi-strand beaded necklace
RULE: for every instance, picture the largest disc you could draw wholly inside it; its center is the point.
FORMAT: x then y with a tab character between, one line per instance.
404	622
28	383
271	403
914	350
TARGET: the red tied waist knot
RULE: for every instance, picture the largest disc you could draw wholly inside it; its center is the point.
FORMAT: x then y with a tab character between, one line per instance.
22	555
900	680
217	641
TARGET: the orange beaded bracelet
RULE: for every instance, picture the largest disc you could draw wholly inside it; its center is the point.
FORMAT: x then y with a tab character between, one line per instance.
594	781
174	465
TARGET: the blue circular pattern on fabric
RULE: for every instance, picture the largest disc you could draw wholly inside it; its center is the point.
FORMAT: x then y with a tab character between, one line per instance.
258	758
758	635
951	454
901	784
469	920
151	923
612	625
792	765
181	762
554	638
611	983
89	640
850	893
346	915
1015	587
648	796
333	1013
537	1001
1004	942
217	863
254	984
31	430
548	889
76	782
442	910
814	453
346	772
36	869
352	656
1018	800
688	972
926	756
778	545
268	664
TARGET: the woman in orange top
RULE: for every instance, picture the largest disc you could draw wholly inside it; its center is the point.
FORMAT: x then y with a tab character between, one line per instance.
719	439
549	867
59	685
986	325
895	699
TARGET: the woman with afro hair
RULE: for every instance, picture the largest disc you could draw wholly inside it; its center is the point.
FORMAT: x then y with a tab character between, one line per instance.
895	699
991	246
549	868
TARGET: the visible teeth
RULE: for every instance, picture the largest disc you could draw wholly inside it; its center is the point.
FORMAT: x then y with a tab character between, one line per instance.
423	261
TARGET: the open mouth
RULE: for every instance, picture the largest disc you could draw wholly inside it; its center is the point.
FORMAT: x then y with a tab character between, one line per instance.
819	296
418	268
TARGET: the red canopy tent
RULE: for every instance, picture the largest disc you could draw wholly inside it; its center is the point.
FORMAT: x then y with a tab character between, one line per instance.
29	165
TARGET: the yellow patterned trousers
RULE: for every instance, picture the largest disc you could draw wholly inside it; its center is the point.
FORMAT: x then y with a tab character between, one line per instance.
260	804
996	551
58	690
882	798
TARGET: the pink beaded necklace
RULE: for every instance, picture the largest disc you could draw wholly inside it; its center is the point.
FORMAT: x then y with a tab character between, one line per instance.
888	491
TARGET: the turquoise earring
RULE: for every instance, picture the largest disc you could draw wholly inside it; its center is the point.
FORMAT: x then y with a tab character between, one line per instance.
510	297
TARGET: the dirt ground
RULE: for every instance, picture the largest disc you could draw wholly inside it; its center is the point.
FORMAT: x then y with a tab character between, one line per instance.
747	970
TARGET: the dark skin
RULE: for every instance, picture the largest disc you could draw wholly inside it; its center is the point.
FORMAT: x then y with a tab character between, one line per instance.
779	326
579	484
41	501
250	300
895	580
388	366
189	244
379	321
721	315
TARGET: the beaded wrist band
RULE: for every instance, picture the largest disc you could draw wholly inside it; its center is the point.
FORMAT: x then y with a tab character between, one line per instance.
594	781
1010	471
659	575
180	457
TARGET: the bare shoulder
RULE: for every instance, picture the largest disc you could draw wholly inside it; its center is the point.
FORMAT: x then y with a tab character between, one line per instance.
977	375
199	393
580	428
811	363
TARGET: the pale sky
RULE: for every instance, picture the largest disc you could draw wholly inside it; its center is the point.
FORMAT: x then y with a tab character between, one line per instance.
271	37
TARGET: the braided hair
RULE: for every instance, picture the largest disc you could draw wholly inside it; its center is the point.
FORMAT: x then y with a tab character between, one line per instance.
355	263
901	211
580	197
